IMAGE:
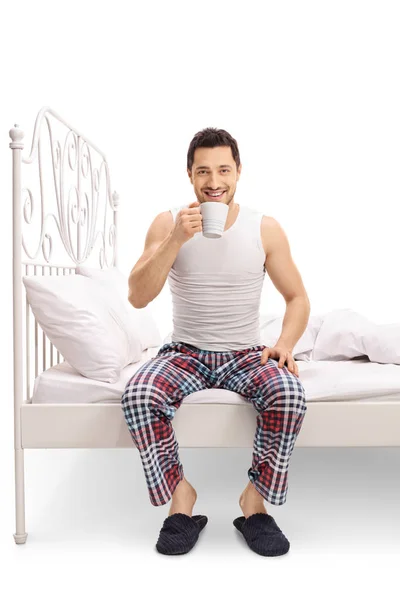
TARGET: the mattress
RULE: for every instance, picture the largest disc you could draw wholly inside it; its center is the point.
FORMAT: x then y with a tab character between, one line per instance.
357	379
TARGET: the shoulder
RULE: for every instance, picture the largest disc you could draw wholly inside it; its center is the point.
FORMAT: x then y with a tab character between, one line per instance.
167	218
162	224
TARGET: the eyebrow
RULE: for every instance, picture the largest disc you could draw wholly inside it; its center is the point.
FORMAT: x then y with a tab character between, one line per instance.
205	167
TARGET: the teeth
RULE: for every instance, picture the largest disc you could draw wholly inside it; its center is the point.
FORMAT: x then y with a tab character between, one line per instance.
214	195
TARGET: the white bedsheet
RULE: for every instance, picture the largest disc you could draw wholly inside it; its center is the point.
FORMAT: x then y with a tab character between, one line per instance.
357	380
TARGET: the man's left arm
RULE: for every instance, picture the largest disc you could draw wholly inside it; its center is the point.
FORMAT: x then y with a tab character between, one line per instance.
286	278
294	322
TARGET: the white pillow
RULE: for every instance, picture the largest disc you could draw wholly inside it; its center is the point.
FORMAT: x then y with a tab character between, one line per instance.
84	327
346	334
338	338
382	343
139	323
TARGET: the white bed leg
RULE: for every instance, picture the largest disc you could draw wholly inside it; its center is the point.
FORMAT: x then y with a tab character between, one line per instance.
21	535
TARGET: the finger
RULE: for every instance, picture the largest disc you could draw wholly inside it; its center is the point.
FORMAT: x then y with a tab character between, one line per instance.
264	358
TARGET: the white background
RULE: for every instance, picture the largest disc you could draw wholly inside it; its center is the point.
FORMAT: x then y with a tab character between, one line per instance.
311	93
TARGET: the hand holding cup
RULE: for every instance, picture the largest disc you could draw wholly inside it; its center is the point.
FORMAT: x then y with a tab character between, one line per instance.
188	222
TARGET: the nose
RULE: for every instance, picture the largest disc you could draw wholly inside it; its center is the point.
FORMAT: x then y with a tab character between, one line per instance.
213	183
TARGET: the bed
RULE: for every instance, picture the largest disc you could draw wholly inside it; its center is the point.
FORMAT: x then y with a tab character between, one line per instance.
352	399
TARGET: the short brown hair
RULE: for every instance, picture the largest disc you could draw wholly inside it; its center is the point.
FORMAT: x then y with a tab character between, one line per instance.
210	138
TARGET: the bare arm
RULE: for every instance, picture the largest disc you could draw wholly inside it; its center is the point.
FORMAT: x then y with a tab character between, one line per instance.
148	278
163	242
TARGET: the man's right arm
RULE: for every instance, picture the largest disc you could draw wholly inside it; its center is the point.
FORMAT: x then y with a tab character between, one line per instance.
149	274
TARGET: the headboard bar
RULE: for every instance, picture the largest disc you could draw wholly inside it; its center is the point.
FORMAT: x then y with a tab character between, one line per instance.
36	134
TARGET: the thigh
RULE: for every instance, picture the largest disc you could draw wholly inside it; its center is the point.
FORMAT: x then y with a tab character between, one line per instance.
169	377
261	384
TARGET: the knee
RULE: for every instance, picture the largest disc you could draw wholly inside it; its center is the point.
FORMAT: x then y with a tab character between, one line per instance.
285	393
142	394
296	395
135	394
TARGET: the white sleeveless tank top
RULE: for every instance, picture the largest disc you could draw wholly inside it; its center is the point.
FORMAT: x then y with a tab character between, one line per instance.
216	286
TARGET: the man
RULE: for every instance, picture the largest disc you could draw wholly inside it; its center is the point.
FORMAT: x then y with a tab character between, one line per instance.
216	286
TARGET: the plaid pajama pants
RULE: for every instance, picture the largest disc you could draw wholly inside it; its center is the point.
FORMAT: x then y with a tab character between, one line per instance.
157	389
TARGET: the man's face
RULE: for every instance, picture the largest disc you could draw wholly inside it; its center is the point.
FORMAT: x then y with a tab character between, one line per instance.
214	170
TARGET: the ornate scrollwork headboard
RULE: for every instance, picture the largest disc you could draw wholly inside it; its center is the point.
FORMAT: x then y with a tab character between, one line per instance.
73	190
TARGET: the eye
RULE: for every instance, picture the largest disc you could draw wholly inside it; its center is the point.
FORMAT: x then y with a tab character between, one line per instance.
203	171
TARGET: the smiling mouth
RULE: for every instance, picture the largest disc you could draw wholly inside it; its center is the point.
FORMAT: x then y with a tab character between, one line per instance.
215	197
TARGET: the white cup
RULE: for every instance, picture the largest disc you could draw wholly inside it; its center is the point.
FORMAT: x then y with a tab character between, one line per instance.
214	218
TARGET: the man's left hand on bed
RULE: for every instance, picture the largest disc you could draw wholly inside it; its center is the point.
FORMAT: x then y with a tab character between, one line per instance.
283	354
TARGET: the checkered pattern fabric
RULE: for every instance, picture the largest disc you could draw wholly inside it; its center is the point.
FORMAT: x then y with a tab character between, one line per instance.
157	389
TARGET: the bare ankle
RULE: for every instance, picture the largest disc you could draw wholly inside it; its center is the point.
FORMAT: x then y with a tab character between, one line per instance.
184	488
251	500
183	498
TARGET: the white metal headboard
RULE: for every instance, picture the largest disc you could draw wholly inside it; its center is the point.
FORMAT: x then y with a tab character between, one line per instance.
76	210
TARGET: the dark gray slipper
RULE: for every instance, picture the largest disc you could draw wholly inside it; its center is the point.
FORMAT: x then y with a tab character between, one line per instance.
262	534
179	533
